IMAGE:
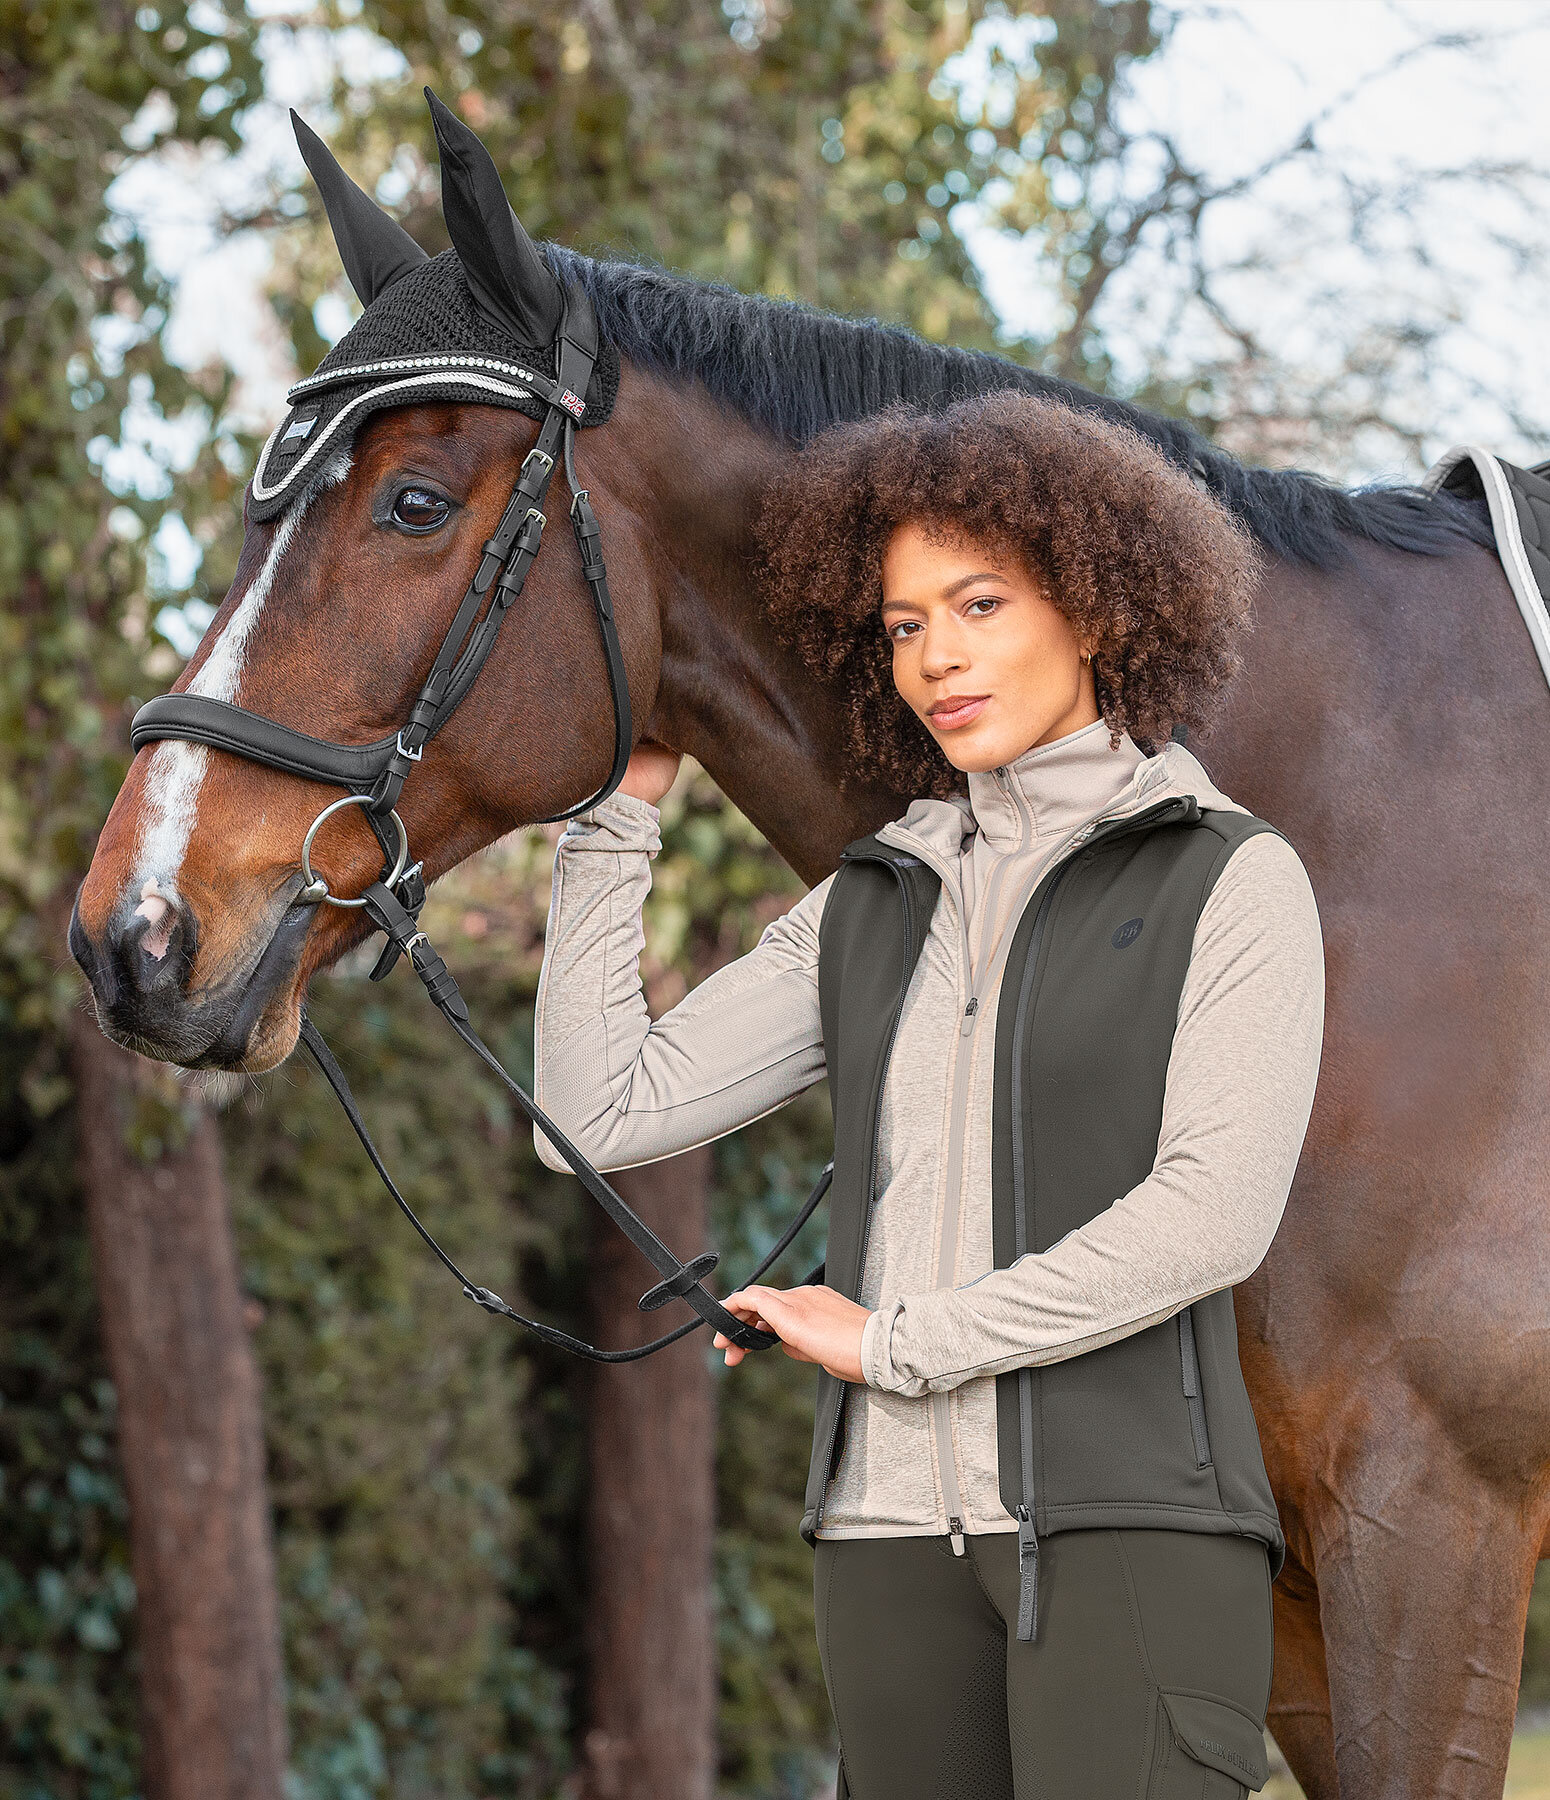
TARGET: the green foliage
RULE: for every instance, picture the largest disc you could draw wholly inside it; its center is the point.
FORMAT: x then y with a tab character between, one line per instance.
67	1725
776	1727
1535	1688
394	1408
815	150
715	886
81	317
806	152
1060	175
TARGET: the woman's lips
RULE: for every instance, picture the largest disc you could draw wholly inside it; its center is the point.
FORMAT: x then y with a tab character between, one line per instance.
960	715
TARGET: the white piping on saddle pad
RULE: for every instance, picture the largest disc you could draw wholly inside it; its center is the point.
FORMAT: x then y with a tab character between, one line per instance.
1509	539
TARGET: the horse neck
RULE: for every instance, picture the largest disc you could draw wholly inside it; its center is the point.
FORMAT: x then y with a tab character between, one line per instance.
729	694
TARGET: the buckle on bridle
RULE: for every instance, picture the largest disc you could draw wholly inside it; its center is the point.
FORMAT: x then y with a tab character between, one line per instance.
542	456
404	750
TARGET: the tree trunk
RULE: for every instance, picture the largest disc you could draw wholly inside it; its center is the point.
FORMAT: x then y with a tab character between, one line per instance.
190	1429
651	1631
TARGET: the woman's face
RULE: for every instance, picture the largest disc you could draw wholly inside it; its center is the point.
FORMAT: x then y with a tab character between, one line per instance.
970	625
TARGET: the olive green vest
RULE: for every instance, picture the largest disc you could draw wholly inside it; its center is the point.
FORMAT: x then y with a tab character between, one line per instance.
1156	1428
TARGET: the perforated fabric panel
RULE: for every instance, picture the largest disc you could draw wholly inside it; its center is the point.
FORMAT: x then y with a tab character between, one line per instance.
977	1750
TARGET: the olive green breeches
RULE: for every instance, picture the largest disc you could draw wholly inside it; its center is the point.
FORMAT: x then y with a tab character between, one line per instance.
1148	1679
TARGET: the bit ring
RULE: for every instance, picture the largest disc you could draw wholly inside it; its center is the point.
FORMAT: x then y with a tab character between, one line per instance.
316	888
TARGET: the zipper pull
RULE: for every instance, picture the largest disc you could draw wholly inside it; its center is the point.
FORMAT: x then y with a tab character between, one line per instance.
1028	1576
956	1535
968	1015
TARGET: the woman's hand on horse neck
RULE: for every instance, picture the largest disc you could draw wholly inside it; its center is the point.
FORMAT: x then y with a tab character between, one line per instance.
814	1324
652	770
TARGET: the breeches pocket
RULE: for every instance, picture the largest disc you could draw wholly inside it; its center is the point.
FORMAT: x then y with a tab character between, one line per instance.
1207	1749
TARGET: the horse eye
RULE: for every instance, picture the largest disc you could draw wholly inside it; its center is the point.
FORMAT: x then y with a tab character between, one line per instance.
417	509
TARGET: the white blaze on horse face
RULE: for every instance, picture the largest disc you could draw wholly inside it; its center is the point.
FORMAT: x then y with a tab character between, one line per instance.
177	768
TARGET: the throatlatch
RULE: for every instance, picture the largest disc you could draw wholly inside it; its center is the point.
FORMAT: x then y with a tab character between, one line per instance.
374	774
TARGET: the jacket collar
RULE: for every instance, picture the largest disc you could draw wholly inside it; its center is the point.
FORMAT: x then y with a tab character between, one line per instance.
1066	787
1052	788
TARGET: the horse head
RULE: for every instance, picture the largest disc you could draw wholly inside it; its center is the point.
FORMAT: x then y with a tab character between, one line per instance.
369	512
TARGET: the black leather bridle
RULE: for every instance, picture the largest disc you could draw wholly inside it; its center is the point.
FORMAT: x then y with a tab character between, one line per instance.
375	774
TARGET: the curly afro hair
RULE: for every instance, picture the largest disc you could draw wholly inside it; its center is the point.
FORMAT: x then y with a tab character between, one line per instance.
1152	572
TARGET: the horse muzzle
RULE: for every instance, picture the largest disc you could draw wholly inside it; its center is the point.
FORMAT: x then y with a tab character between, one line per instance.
141	975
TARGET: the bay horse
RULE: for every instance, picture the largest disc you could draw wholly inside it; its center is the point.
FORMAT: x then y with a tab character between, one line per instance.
1391	719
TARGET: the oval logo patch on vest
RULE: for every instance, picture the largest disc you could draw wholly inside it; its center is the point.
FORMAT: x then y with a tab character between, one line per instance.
1127	933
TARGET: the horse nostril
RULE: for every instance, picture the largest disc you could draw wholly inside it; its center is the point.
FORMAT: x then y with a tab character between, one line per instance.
151	946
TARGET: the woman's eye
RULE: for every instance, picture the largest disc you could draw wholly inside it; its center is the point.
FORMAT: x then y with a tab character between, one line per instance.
986	600
418	509
892	631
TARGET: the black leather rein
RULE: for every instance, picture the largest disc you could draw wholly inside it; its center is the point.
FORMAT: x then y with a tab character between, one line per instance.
374	775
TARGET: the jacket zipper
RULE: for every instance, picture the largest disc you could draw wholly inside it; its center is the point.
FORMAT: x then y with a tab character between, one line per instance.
877	1092
1027	1508
941	1417
942	1403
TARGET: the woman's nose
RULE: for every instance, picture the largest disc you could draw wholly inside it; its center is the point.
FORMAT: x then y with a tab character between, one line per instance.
940	655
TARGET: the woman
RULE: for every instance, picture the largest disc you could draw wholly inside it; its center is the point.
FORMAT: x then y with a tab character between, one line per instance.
1070	1086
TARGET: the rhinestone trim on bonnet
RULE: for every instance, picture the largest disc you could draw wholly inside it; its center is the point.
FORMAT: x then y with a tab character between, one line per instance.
394	363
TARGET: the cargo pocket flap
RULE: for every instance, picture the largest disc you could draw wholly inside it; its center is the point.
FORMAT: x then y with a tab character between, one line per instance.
1220	1736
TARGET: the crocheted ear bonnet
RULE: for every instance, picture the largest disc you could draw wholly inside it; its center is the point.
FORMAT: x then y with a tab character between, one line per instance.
478	322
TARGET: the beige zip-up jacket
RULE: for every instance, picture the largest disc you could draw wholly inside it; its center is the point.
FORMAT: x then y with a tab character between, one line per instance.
920	1441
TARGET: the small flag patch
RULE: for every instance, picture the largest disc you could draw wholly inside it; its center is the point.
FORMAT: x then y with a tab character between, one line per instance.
299	428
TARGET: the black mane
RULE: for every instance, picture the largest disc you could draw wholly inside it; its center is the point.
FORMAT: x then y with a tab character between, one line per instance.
793	370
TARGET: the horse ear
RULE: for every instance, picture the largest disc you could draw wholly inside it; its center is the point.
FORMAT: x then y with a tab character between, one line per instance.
376	251
510	281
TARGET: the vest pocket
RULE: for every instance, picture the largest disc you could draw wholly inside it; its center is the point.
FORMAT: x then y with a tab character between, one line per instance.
1190	1365
1212	1735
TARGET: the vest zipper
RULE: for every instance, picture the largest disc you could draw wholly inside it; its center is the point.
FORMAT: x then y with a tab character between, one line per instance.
877	1094
1027	1509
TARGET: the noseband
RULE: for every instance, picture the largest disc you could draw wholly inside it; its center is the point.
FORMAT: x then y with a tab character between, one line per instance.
375	774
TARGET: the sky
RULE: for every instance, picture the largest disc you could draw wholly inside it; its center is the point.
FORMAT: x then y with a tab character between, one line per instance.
1237	83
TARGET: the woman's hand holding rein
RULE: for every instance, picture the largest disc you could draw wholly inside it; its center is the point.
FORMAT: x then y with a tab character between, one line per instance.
814	1325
